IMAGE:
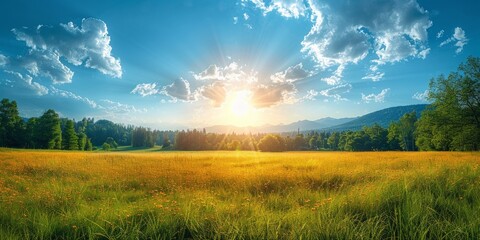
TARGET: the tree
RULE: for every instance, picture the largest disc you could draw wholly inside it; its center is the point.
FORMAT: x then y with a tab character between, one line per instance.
82	141
452	122
49	133
11	125
106	146
271	143
71	138
88	145
111	142
334	140
403	132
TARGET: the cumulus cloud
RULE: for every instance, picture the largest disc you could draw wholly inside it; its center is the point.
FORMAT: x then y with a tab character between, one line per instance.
145	89
375	97
88	44
67	94
459	38
345	32
286	8
291	74
179	90
267	96
421	96
235	20
215	92
245	16
26	81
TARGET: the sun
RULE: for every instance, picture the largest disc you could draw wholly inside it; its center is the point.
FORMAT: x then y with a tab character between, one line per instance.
240	104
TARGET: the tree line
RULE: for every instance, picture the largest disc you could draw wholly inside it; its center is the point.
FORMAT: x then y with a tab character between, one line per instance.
450	123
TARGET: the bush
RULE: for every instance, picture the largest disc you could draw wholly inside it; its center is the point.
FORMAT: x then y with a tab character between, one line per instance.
271	143
106	147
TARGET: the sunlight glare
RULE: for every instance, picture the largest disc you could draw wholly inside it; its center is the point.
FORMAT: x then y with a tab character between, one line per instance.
240	105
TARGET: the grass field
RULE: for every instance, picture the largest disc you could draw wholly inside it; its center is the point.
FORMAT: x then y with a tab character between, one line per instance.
239	195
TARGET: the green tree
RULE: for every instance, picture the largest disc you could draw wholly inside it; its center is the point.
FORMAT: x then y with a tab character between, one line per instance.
334	140
71	138
106	146
403	131
88	145
11	125
112	142
49	133
452	122
271	143
82	141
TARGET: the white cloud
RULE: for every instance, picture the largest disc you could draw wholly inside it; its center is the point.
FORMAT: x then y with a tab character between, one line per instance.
233	72
374	76
66	94
440	34
88	45
145	89
336	92
311	94
112	107
215	92
375	97
336	78
459	38
179	89
291	74
267	96
245	16
235	20
46	64
345	32
26	81
421	96
286	8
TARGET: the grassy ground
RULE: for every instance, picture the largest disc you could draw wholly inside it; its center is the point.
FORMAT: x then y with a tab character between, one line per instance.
239	195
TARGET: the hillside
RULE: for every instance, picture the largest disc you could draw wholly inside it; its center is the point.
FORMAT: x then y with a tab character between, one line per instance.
382	117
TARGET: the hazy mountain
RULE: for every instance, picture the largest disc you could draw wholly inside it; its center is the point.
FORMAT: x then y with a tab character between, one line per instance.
383	117
292	127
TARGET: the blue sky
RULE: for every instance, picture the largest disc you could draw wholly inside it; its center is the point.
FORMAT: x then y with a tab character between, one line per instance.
186	63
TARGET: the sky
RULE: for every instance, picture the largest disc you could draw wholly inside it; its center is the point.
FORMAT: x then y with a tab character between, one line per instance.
191	63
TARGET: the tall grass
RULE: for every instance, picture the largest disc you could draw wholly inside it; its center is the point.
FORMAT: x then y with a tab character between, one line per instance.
239	195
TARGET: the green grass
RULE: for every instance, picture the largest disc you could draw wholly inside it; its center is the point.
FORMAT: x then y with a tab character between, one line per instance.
239	195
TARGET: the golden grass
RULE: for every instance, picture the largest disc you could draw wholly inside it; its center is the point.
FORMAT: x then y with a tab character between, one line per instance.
237	194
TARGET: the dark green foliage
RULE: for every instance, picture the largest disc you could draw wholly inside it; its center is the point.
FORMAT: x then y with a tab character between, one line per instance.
401	133
106	147
88	145
11	125
70	136
453	120
82	141
143	137
49	133
112	142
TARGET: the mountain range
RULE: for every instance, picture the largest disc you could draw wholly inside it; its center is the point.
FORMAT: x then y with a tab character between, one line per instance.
382	117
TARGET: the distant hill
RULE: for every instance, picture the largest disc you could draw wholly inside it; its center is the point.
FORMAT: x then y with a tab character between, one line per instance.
292	127
383	117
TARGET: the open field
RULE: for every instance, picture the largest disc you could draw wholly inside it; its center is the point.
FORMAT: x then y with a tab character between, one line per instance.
239	195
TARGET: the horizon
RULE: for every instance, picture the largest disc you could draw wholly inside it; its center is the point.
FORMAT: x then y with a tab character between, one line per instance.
181	64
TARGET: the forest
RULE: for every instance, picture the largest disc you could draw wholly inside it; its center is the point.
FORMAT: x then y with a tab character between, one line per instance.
450	123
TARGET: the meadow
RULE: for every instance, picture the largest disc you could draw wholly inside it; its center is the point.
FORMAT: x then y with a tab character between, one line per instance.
239	195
